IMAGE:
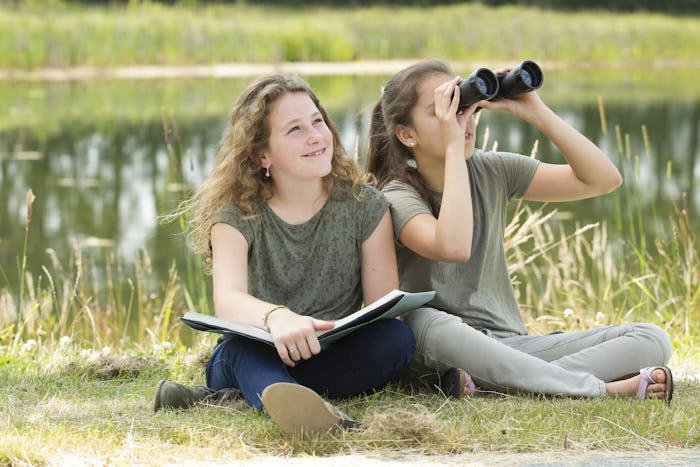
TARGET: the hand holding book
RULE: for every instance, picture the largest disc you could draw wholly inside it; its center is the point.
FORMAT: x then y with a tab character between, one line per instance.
391	305
295	335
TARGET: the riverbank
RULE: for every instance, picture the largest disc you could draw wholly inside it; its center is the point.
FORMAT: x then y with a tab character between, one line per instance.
360	67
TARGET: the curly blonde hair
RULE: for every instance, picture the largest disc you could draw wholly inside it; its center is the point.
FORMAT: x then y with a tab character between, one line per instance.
237	176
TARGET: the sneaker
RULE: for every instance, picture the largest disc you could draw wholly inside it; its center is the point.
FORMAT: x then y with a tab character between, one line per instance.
298	410
171	395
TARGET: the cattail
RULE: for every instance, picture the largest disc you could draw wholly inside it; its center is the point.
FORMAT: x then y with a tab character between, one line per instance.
166	130
603	120
30	202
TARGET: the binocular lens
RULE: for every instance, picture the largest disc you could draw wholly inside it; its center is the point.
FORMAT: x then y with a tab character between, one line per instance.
531	74
524	78
481	85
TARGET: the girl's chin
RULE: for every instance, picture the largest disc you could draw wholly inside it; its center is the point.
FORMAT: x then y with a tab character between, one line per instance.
320	172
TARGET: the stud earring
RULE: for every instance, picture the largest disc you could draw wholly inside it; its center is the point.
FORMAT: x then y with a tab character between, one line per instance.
267	172
411	143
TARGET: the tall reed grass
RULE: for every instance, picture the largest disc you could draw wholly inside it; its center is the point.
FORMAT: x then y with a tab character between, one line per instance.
568	276
571	276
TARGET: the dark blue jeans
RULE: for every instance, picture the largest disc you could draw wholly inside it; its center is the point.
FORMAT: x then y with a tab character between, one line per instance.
359	363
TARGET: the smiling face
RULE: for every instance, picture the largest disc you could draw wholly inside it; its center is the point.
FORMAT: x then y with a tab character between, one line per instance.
300	144
426	127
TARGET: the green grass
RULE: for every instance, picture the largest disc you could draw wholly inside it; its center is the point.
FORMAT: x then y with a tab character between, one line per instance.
58	36
61	402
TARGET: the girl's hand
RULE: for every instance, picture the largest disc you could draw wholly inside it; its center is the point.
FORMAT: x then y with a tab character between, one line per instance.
455	125
294	335
524	106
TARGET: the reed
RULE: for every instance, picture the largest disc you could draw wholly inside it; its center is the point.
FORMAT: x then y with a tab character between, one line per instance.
572	276
195	284
30	198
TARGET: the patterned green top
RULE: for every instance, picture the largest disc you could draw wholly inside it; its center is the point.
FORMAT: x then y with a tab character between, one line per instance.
314	268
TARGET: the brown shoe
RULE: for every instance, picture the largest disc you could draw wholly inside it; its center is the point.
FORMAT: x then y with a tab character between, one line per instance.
298	410
171	395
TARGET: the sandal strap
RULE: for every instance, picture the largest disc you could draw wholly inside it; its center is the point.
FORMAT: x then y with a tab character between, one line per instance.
645	381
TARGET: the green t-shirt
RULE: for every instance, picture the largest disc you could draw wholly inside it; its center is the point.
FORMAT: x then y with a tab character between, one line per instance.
314	268
480	290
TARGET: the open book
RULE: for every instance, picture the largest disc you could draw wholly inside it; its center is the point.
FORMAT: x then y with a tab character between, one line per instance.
389	306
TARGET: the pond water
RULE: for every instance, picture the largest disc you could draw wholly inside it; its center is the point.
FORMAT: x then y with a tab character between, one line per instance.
94	155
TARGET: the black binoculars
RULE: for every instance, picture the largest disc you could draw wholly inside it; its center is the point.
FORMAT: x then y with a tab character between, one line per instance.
484	84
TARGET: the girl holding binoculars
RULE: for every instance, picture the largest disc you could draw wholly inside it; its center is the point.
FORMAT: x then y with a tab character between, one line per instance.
448	203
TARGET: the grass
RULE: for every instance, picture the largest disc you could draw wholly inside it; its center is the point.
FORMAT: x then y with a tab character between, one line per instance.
55	35
63	402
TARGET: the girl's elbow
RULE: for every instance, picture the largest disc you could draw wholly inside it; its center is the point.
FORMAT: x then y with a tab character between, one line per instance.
618	180
614	183
221	307
459	254
462	257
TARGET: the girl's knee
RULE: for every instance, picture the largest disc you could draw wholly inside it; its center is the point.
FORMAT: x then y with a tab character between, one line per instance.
402	338
660	338
425	322
653	340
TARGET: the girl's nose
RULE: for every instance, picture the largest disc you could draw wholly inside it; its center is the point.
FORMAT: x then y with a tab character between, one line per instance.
314	135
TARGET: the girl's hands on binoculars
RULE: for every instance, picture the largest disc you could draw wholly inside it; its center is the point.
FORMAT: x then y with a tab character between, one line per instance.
453	123
523	106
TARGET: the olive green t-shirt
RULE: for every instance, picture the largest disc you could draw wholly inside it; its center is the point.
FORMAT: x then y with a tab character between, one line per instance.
480	290
314	268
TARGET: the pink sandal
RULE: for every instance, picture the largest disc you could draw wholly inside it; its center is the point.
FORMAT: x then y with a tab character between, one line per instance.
454	381
647	380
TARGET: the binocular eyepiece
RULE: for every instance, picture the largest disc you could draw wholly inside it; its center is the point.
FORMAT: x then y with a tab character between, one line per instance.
484	84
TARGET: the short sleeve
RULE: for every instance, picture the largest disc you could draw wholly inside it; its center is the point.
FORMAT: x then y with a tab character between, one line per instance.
517	170
405	202
234	216
372	207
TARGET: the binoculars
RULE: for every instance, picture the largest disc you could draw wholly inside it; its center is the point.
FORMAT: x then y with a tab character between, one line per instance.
484	84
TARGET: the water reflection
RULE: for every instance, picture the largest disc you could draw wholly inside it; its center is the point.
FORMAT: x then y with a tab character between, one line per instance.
102	174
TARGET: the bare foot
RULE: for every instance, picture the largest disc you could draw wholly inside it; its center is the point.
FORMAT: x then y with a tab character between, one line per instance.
628	387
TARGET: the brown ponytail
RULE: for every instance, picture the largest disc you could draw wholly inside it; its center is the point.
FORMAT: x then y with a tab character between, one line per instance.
388	158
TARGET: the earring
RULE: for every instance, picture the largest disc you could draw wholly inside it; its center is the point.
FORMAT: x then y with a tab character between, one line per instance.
411	143
267	172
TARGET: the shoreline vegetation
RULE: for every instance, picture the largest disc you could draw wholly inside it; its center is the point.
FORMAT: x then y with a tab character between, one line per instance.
56	36
82	347
356	68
